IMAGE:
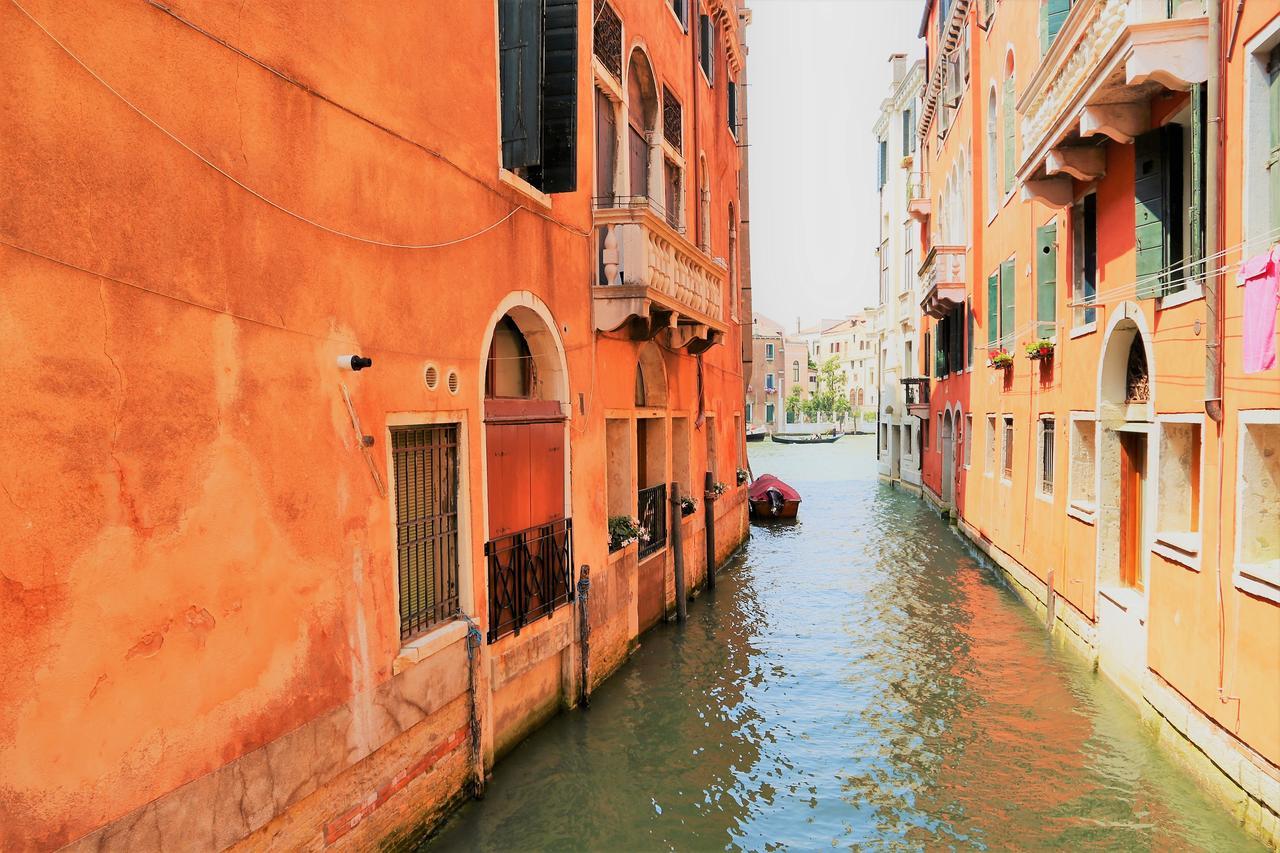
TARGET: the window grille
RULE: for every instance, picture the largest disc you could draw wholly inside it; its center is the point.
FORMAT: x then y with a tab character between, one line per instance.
1008	449
671	119
653	519
425	469
530	575
607	34
1046	455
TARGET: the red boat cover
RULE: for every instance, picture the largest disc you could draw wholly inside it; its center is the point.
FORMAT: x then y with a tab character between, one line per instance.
765	482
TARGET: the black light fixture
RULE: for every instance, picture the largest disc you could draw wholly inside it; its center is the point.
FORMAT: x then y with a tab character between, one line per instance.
354	362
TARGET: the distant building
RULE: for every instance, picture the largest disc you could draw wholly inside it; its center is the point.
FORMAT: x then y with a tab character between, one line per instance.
896	317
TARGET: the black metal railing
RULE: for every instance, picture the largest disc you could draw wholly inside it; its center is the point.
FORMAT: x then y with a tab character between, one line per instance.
530	575
653	518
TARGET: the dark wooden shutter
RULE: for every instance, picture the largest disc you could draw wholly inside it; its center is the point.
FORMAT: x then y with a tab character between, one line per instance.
882	164
1008	298
926	352
705	31
993	309
560	97
1046	279
732	88
520	78
606	148
955	334
968	335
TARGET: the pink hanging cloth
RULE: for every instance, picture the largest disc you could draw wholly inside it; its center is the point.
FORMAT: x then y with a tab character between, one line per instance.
1261	278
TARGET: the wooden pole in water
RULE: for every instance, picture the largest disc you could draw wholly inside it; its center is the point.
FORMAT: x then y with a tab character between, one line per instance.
709	505
677	545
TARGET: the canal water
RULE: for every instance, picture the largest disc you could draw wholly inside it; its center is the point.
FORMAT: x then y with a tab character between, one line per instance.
856	679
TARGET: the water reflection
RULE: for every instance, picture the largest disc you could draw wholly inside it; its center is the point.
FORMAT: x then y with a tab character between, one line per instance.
856	679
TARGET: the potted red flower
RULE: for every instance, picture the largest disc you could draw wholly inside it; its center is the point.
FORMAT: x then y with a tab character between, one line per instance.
1041	350
999	359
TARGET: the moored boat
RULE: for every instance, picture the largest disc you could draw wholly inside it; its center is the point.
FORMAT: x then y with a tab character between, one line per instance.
756	433
769	497
785	438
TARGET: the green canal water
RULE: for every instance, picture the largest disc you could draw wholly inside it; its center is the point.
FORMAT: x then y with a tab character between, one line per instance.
856	680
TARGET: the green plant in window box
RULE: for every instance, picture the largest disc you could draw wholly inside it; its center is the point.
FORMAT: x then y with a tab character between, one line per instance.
1041	350
743	476
624	530
687	506
718	489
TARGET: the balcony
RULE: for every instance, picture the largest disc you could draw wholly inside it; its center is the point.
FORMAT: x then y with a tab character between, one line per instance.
1096	81
942	279
653	281
916	389
919	200
530	575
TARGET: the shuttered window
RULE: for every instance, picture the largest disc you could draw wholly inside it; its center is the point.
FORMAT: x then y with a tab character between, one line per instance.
908	132
968	336
706	47
924	351
993	309
1008	301
425	483
538	79
732	90
1169	181
882	164
1046	280
1008	135
1052	14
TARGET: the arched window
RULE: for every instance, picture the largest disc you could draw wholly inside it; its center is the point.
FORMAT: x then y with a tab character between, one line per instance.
993	164
1009	142
640	396
511	371
642	117
1137	385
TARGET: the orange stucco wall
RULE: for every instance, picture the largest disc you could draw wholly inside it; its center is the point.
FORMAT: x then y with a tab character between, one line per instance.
1187	632
199	560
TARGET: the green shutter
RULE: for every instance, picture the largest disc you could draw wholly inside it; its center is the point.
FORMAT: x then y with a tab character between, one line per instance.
520	80
1008	297
1008	135
1150	213
1195	206
1052	15
1046	279
993	309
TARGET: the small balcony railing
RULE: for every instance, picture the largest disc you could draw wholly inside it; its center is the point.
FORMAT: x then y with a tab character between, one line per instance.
530	575
919	200
653	519
942	280
651	278
916	390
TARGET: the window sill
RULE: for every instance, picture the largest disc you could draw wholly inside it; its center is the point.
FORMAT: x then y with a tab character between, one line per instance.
1082	511
1086	329
1044	497
1260	579
1006	481
1190	293
1126	598
511	179
422	648
1181	548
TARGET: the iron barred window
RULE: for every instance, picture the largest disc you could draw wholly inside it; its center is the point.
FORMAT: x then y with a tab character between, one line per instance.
653	518
1046	455
425	479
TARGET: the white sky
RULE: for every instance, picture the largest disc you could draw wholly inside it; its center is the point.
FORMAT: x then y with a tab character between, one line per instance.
819	70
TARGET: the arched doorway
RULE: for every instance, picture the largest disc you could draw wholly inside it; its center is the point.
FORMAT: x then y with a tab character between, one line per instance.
1124	491
528	546
652	506
948	461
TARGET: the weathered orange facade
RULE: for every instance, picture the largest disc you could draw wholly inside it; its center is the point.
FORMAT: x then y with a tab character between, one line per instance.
1068	147
209	205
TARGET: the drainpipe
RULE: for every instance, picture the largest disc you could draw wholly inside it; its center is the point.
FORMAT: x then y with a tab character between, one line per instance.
1212	296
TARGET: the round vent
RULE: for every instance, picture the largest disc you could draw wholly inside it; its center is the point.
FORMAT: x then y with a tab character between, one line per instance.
453	382
431	376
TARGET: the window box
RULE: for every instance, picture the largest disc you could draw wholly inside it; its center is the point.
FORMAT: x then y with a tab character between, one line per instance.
999	359
1041	350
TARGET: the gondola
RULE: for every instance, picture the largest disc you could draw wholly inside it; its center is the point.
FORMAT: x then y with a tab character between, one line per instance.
756	434
784	438
771	498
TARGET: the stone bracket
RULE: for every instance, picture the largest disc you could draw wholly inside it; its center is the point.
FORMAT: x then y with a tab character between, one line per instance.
1055	192
1082	162
1120	122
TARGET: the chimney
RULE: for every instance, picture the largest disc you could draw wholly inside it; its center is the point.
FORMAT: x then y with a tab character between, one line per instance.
899	63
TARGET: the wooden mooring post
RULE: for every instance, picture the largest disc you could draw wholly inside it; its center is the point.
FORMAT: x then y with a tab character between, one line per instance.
709	505
677	545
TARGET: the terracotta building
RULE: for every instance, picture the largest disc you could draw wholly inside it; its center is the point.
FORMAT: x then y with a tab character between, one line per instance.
1102	416
336	340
